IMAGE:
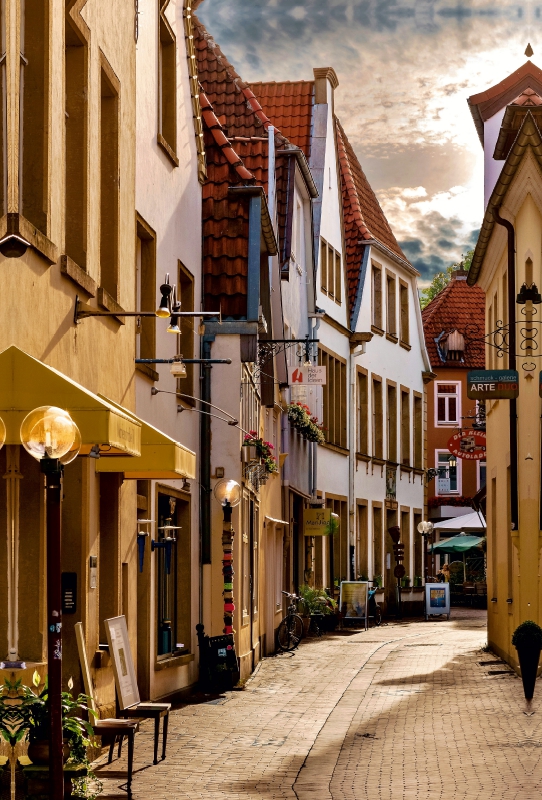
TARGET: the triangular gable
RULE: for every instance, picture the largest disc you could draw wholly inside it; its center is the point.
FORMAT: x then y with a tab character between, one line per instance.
529	137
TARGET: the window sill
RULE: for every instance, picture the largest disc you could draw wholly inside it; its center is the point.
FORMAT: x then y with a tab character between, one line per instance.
167	149
379	461
363	457
405	468
447	424
378	331
173	661
405	345
391	338
77	274
110	304
18	225
336	448
419	471
148	371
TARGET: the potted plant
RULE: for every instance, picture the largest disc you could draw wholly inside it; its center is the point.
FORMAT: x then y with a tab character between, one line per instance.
303	421
405	582
24	714
377	581
527	640
259	449
315	603
417	581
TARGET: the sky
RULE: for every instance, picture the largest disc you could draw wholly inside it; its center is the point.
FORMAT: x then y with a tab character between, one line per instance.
405	69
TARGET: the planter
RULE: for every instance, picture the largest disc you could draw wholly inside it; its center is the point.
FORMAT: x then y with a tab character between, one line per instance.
38	751
529	656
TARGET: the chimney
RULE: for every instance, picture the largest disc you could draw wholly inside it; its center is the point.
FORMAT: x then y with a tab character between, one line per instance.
325	83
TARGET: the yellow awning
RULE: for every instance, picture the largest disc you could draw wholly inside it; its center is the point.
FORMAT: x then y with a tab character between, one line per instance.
26	383
161	458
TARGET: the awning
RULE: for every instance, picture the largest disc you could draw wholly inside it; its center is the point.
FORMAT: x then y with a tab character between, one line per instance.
457	544
28	383
466	522
161	458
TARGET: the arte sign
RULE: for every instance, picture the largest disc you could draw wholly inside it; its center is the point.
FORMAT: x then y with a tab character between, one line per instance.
492	384
316	521
309	376
468	445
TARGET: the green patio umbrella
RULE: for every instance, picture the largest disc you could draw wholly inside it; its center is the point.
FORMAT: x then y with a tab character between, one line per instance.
457	544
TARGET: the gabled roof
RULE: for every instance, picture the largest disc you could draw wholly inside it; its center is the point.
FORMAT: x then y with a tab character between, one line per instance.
363	217
289	104
485	104
529	137
457	307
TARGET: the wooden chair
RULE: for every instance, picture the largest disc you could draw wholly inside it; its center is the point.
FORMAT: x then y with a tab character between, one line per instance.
126	684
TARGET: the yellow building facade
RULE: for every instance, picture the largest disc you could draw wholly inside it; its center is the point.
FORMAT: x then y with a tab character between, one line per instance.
508	255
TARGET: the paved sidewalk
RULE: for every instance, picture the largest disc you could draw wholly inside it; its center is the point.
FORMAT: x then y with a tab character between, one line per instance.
398	712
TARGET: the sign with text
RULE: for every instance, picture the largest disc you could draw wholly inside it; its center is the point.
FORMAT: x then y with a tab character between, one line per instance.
493	384
354	600
123	665
316	521
468	445
437	599
310	376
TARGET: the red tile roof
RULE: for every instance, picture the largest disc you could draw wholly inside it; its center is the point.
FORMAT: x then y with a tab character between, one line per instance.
457	307
289	104
362	214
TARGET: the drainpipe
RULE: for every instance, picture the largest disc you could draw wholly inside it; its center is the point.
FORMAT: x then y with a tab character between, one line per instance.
514	512
205	467
271	191
352	446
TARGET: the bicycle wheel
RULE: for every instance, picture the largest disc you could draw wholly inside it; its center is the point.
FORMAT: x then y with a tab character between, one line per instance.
290	632
378	616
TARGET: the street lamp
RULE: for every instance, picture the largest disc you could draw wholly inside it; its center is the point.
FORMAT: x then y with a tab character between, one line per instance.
426	529
51	436
228	493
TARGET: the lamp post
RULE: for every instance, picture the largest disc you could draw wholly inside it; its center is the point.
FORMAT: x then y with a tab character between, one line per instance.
228	493
51	436
426	529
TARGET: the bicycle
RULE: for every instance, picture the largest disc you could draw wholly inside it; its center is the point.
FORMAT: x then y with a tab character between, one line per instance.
290	630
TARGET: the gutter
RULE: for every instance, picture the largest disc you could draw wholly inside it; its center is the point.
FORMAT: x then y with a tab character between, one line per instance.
394	257
304	167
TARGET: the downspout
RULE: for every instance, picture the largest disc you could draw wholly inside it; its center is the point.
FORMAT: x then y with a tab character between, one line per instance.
205	455
514	511
271	191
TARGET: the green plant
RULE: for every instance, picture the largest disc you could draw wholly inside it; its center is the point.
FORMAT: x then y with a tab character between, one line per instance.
316	601
417	580
528	633
332	527
405	582
263	449
308	426
24	714
377	581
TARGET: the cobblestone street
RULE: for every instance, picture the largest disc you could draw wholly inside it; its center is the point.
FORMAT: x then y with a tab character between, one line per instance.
403	711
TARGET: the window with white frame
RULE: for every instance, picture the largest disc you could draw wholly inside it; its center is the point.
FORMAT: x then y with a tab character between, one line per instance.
448	480
447	403
480	474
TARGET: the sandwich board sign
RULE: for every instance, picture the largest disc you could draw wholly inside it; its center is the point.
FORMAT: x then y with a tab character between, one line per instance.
123	665
437	599
354	600
492	384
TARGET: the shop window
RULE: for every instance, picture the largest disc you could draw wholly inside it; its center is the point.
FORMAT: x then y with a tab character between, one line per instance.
376	287
447	401
76	144
167	110
109	184
334	397
391	302
391	409
145	289
403	310
405	427
34	105
418	431
363	413
185	340
173	576
378	446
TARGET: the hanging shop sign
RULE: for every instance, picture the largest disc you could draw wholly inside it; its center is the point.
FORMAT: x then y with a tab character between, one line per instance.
468	445
309	376
316	521
492	384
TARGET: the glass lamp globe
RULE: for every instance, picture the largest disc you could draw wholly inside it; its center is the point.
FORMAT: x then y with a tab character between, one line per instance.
425	527
228	491
73	452
48	431
2	433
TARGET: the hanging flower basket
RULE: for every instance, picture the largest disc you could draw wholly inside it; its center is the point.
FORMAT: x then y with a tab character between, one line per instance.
308	426
262	450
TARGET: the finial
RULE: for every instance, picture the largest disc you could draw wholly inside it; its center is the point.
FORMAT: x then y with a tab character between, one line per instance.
529	51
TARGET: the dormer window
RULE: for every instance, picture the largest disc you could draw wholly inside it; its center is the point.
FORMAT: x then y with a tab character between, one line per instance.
453	346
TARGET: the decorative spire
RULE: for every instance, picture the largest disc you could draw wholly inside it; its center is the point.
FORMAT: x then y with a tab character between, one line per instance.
529	51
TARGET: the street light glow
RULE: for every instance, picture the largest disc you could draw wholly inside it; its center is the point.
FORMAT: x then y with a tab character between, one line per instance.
49	432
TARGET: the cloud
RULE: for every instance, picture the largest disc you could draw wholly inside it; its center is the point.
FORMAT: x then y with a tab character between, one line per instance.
406	68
